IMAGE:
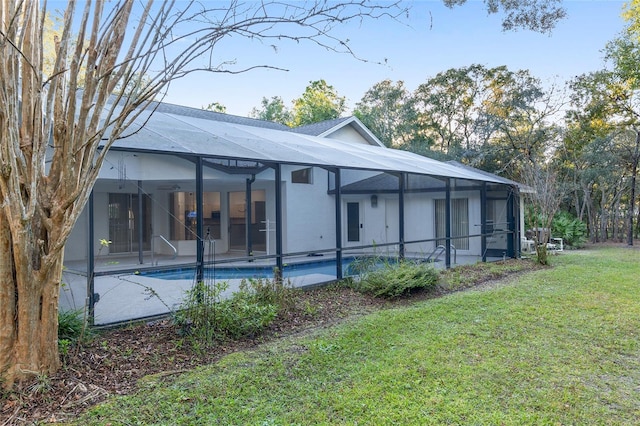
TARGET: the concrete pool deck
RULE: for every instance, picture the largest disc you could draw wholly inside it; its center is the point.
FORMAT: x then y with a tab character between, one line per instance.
130	296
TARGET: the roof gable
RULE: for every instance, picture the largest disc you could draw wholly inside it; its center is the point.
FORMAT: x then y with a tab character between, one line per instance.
330	128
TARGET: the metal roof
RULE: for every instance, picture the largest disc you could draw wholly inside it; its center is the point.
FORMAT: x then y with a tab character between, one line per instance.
523	188
170	130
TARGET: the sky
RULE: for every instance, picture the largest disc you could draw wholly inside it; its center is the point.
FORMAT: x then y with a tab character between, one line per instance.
435	39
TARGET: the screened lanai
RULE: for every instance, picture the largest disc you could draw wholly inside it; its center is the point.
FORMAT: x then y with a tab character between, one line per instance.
193	196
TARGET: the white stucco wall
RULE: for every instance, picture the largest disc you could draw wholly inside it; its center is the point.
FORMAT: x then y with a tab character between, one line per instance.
419	218
76	247
309	213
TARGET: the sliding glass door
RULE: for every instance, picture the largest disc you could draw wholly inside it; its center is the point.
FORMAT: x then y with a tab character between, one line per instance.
128	214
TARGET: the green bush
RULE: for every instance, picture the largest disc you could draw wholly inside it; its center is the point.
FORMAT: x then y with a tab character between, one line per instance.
564	225
243	315
207	317
394	280
572	231
72	329
71	325
270	292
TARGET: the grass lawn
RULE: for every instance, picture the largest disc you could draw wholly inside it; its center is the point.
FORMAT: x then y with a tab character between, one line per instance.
555	346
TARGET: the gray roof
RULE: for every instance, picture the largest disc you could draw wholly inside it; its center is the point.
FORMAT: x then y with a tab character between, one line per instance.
317	129
216	116
171	129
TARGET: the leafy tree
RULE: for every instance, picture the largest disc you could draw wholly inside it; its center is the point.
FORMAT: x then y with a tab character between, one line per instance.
215	107
450	109
535	15
520	118
609	99
319	102
272	109
491	118
631	14
54	139
387	110
589	165
624	54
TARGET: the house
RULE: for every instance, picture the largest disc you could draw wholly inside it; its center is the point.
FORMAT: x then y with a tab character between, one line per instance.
195	195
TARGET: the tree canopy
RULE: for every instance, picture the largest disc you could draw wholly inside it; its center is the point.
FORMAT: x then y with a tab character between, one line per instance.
319	102
535	15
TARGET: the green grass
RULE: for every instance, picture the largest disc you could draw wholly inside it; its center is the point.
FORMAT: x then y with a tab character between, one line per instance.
558	346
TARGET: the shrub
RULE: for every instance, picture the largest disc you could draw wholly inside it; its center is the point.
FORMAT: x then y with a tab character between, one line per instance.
71	325
572	231
72	329
243	315
207	317
270	292
395	280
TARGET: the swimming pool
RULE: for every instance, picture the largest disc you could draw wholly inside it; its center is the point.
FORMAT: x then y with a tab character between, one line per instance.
323	267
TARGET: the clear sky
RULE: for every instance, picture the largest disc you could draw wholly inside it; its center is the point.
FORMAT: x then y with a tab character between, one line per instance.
437	39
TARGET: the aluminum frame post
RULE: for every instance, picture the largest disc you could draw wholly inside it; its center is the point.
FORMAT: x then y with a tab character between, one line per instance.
338	212
401	190
447	243
278	183
199	222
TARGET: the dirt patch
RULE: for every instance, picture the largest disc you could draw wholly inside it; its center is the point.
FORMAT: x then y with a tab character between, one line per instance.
115	360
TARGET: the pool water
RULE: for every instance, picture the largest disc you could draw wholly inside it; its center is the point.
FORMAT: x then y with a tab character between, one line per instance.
324	267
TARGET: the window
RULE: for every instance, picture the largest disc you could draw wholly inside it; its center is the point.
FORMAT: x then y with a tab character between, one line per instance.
459	222
302	176
353	221
184	213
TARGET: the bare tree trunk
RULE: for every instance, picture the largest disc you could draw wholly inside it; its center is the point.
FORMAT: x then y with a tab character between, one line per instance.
604	217
591	216
7	298
615	222
29	299
632	197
